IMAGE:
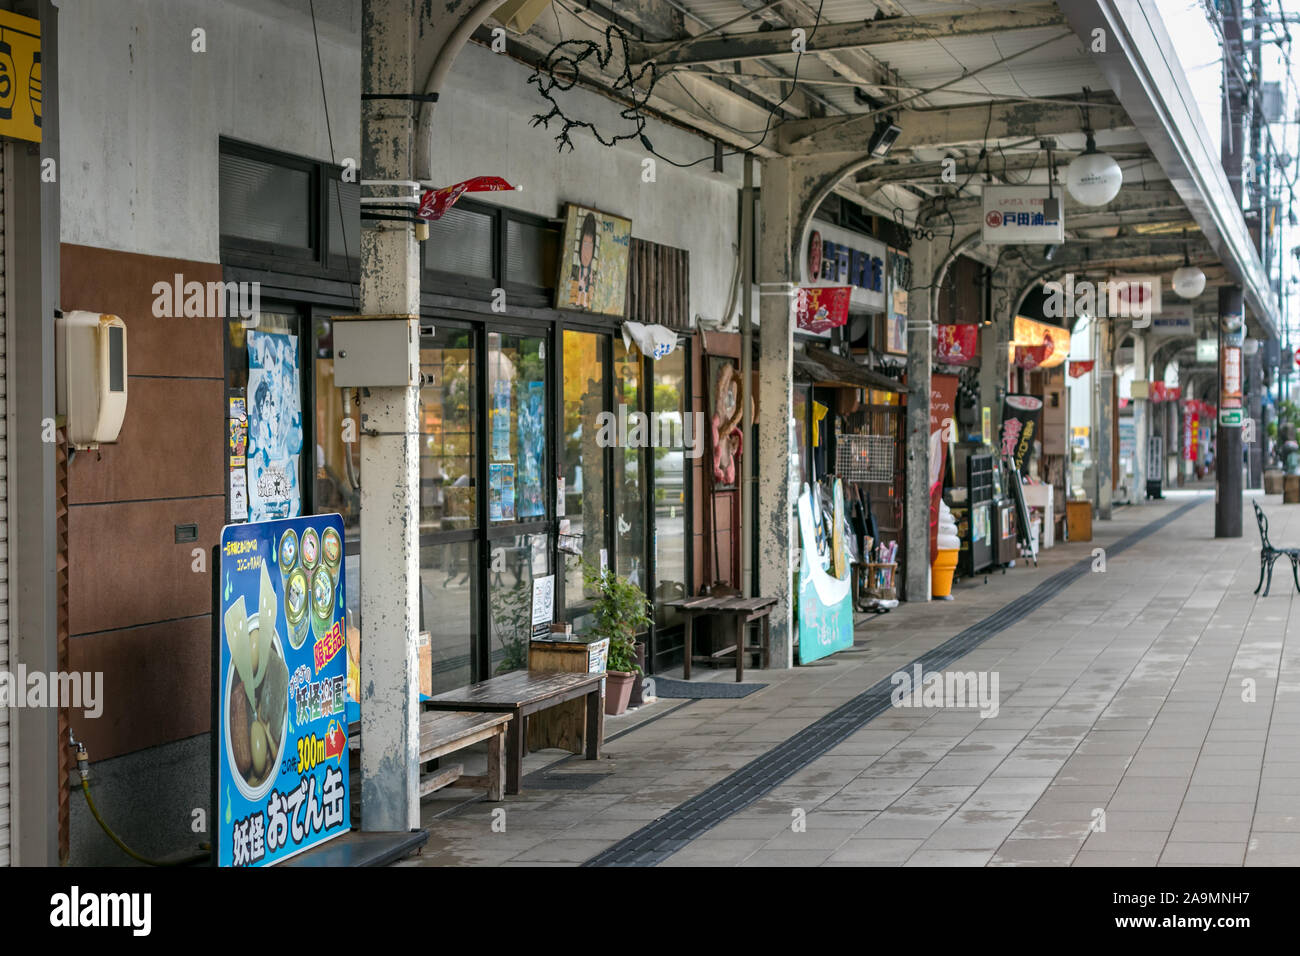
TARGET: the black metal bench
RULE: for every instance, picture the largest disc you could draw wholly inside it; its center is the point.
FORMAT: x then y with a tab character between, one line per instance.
1268	555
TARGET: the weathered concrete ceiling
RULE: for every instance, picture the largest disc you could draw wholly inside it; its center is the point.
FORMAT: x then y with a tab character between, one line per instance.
948	126
848	36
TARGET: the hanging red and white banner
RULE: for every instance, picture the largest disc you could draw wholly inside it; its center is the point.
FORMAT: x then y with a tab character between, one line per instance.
1032	356
822	308
434	203
1081	367
957	344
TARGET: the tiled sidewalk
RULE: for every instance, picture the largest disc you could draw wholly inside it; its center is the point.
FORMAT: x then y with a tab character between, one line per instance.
1124	704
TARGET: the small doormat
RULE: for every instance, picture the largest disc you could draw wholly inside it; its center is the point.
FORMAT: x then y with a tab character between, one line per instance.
701	690
542	780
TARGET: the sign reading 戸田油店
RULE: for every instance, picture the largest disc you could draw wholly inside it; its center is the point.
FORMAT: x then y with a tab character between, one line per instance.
20	77
1016	214
281	686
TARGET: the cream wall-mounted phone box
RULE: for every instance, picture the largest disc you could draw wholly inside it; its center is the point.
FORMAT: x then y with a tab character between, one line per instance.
90	359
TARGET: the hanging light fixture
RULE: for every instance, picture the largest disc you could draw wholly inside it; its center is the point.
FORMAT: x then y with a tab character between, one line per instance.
1093	178
1188	280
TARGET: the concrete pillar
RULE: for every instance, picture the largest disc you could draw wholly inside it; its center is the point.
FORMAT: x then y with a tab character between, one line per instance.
916	485
777	536
1103	447
1255	413
1141	420
390	427
995	338
1227	443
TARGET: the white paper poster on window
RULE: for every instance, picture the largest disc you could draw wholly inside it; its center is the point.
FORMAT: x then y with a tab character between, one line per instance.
238	495
274	426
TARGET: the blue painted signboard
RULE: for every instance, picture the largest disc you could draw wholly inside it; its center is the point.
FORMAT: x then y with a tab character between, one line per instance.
281	753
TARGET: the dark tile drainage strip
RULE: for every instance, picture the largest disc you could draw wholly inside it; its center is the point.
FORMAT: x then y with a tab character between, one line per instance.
657	841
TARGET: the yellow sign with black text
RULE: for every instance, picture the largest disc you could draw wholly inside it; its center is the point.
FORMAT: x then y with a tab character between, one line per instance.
20	77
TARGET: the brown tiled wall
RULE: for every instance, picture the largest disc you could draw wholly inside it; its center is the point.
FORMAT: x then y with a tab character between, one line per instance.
138	611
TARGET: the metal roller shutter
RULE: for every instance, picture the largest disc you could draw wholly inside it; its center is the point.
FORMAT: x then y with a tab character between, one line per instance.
4	539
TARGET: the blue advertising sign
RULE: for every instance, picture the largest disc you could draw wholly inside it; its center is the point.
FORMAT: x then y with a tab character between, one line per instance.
280	741
824	607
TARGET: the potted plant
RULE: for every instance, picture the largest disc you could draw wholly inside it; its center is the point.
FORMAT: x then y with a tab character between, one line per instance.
620	612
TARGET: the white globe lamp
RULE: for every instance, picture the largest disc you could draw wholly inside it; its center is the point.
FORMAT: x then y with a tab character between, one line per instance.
1189	281
1093	178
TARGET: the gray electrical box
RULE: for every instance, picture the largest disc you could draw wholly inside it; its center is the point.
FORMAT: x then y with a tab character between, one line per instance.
373	353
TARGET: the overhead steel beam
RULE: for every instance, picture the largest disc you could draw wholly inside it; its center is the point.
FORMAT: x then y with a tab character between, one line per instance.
965	166
1139	61
948	126
830	37
1127	201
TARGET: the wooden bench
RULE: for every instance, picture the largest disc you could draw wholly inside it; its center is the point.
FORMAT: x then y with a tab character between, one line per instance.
521	693
445	732
741	611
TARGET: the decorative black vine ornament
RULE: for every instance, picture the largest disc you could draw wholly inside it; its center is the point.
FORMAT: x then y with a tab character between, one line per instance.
561	70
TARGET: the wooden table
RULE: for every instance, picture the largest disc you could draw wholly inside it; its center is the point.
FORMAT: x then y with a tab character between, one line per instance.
741	610
521	693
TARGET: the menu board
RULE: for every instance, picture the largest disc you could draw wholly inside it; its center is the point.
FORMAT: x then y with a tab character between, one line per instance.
279	676
543	604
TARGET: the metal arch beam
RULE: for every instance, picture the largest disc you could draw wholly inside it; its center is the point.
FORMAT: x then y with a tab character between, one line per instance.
959	168
1132	200
1084	251
949	126
1173	346
848	36
1139	62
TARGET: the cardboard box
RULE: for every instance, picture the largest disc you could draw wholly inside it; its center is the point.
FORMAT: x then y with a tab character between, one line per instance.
425	660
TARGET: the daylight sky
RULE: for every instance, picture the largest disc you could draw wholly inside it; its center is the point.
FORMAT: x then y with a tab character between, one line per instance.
1197	46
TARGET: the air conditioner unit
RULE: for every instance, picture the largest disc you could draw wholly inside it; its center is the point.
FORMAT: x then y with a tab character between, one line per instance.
90	376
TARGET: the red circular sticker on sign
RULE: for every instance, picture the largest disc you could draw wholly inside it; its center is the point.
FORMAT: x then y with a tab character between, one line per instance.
815	256
994	219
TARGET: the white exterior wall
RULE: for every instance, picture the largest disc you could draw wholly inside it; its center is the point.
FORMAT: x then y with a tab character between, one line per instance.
142	113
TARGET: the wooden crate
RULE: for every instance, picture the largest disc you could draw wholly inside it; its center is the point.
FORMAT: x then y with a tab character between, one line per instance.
563	726
1078	516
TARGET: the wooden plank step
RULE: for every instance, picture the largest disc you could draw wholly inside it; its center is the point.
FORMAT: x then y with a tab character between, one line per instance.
442	777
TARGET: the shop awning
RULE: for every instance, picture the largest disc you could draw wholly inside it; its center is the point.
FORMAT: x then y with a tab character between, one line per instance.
823	367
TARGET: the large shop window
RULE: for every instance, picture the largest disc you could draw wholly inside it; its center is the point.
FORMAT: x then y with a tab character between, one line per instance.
671	405
582	529
269	454
448	504
517	538
284	213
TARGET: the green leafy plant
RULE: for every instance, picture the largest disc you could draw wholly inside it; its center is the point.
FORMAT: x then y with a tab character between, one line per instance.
621	611
512	625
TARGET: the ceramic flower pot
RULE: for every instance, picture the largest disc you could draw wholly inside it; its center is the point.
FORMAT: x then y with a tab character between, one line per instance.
618	691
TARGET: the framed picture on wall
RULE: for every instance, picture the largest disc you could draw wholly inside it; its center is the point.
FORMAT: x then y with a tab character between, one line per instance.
593	261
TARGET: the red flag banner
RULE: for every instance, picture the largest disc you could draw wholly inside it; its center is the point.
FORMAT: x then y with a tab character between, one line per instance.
434	203
822	308
957	344
1158	392
1081	367
1032	356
